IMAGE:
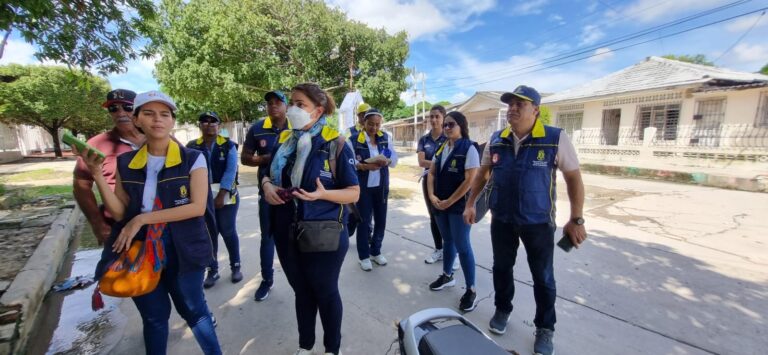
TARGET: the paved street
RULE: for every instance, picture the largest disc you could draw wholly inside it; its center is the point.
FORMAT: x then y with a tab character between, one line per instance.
668	269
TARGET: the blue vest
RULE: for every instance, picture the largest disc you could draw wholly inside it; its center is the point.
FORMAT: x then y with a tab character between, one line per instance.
362	153
264	135
317	165
430	146
217	162
524	189
191	237
450	176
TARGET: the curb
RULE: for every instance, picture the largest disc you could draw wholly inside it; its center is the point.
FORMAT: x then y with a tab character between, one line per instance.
28	289
756	184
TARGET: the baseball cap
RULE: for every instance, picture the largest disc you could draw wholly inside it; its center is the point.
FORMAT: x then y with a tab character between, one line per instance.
362	107
276	93
524	92
209	114
153	96
372	111
119	95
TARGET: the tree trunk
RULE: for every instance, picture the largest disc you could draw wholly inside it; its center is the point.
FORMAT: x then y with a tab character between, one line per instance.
54	132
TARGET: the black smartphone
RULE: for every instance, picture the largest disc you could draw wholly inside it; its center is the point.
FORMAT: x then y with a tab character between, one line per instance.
565	243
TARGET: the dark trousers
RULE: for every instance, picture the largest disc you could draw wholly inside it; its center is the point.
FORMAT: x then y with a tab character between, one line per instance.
267	247
186	292
226	221
373	208
539	242
432	221
314	278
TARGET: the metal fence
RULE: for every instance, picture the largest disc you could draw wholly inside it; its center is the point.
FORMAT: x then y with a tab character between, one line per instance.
720	137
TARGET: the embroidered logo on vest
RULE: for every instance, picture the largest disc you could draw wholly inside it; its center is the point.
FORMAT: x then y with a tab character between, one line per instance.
183	191
540	159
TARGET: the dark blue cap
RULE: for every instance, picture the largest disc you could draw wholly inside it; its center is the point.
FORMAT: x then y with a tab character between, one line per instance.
276	93
209	114
524	92
119	95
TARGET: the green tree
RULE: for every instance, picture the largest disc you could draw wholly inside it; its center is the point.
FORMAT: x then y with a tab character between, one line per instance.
82	34
225	54
764	70
695	59
52	97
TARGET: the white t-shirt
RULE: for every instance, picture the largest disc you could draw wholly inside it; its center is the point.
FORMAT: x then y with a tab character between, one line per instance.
374	176
154	165
566	158
472	161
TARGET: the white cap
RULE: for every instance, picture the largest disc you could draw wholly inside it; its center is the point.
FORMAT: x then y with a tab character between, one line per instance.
152	96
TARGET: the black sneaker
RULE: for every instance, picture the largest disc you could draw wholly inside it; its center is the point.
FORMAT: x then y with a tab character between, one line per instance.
442	282
467	302
498	323
543	344
210	280
237	276
263	291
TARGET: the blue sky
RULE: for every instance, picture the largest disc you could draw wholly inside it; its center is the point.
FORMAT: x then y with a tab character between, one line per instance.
462	46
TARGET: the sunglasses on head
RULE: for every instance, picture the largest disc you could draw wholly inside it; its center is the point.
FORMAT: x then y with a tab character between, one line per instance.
126	107
449	125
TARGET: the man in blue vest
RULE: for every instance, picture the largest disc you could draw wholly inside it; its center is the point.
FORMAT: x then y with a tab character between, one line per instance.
221	155
523	160
257	151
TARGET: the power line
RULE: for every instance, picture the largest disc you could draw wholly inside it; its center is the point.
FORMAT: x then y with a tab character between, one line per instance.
740	38
603	44
615	50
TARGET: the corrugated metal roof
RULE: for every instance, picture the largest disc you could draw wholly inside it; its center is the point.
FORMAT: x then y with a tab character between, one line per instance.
652	73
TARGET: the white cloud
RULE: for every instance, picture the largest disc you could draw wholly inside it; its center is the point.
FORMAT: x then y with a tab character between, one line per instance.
655	10
751	53
556	19
744	23
531	7
601	54
18	52
138	77
458	97
419	18
591	34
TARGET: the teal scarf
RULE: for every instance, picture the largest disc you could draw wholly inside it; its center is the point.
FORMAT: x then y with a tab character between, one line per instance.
299	143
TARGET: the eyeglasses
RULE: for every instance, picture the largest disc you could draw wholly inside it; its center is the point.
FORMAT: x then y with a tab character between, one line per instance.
126	107
449	125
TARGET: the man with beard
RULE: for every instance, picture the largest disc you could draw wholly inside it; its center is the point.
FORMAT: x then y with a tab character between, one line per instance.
124	137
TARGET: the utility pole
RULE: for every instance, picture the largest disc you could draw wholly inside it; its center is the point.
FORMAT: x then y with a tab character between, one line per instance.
415	108
352	69
423	96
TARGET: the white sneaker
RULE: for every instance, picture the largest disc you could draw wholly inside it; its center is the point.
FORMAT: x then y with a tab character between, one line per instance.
455	264
303	352
365	264
379	259
436	256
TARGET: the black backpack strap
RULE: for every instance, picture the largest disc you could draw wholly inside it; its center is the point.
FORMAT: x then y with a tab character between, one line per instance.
336	149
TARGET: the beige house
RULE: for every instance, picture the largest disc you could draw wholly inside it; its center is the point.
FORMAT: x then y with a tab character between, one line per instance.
661	108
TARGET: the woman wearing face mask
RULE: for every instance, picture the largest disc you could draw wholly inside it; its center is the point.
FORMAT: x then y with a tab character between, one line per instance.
428	144
374	157
162	183
453	168
311	176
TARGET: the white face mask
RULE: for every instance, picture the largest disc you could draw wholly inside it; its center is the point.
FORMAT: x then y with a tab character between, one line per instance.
297	117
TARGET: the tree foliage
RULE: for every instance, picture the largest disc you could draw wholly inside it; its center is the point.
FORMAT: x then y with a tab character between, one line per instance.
764	69
225	54
85	34
695	59
52	97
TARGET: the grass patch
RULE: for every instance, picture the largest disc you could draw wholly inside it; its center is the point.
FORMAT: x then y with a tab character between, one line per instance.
35	175
400	193
16	197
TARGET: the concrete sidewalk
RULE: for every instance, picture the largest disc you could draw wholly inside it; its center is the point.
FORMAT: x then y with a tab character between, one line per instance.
628	291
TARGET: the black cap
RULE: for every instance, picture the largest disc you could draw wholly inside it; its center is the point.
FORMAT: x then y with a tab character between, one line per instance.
209	114
278	94
119	95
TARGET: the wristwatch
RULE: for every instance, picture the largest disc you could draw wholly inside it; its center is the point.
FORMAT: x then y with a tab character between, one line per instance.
578	220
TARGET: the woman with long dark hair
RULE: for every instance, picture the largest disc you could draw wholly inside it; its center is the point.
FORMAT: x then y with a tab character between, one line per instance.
311	177
428	145
453	168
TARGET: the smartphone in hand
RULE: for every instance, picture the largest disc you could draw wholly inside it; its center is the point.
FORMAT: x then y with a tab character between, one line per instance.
565	243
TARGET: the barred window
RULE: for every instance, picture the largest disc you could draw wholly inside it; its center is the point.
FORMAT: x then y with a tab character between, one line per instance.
762	111
570	121
664	117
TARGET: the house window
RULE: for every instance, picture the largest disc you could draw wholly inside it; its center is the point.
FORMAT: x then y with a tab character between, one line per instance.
762	111
664	117
570	121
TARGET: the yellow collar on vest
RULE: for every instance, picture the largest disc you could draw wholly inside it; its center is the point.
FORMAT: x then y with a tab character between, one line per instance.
538	130
268	123
361	136
219	140
172	157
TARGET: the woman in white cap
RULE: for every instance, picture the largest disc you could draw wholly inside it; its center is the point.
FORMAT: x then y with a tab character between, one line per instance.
162	190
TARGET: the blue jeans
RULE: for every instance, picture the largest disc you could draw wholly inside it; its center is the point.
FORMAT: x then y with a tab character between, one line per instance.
186	292
226	221
455	235
539	242
267	248
373	207
314	278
